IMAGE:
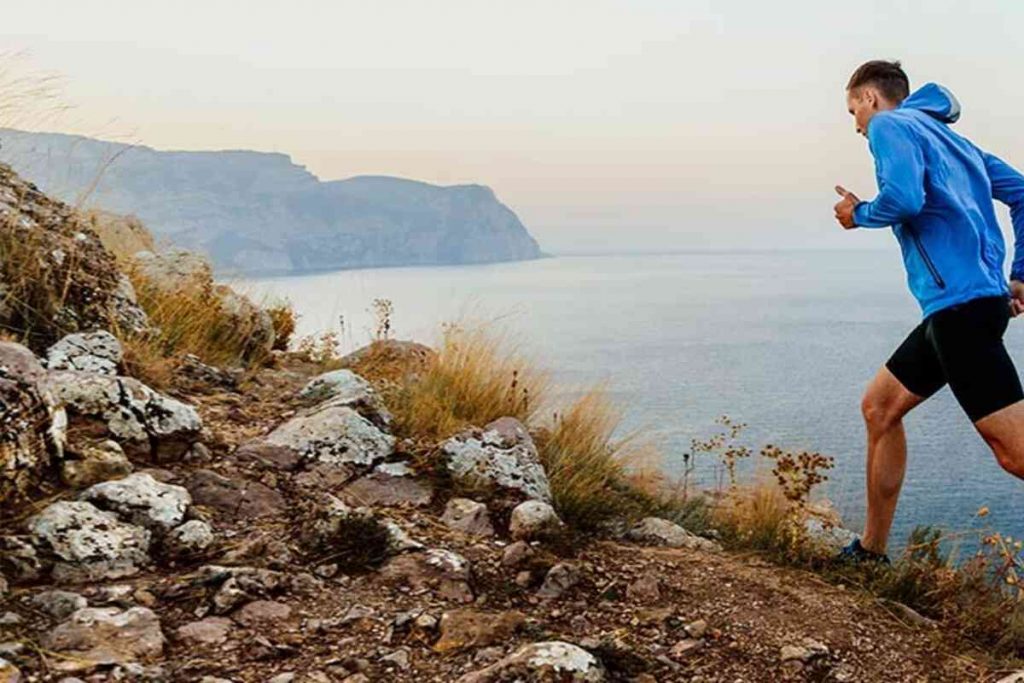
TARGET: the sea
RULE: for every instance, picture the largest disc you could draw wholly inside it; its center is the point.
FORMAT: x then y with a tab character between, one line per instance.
781	341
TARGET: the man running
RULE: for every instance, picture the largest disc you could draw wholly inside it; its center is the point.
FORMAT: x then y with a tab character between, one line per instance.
935	188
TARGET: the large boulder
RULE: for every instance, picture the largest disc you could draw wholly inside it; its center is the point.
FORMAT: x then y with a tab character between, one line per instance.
33	426
98	352
107	636
87	543
547	661
145	422
502	455
333	435
142	500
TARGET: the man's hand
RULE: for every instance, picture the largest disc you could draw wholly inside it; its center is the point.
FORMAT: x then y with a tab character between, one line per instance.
1016	297
844	209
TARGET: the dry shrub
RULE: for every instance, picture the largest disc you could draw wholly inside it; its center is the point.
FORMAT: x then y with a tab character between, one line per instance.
41	297
756	516
475	378
284	318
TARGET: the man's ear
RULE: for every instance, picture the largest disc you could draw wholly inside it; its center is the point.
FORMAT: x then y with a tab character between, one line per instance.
870	96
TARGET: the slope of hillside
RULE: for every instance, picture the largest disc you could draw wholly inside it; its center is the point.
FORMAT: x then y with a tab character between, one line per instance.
260	212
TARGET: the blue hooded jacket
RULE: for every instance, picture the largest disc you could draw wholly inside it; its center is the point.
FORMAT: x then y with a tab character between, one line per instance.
935	188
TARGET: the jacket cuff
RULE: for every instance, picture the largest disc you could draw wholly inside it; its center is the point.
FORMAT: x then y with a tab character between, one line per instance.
859	219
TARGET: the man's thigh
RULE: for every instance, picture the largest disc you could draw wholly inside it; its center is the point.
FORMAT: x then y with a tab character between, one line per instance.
913	370
969	343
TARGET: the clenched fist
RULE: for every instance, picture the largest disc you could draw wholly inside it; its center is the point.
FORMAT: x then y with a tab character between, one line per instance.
844	209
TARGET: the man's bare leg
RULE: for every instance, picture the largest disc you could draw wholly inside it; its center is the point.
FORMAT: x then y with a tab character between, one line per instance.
1004	432
885	403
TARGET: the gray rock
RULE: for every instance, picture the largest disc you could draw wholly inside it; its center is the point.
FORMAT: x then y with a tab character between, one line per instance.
259	612
174	270
531	518
18	559
1017	677
809	650
831	536
192	537
89	543
98	352
516	553
468	516
347	389
502	455
33	429
442	571
382	489
59	604
334	435
208	631
143	421
286	677
253	321
551	660
558	580
142	500
234	497
105	636
399	658
657	531
95	464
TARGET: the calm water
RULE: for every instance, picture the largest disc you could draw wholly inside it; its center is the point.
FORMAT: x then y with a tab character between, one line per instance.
783	341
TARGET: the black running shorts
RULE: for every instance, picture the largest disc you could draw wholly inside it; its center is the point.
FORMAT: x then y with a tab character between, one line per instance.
961	345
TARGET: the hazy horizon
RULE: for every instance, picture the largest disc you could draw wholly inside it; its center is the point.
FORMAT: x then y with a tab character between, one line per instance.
606	126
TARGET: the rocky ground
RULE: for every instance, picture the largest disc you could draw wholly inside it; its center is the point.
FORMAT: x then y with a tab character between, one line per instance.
270	528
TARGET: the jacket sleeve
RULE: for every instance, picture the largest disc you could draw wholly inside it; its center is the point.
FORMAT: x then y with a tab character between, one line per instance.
1008	188
899	169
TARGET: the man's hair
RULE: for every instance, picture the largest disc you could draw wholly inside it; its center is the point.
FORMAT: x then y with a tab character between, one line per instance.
888	77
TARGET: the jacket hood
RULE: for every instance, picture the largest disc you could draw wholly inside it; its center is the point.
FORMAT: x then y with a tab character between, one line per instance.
934	100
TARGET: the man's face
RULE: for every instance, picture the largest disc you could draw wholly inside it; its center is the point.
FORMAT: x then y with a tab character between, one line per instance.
863	103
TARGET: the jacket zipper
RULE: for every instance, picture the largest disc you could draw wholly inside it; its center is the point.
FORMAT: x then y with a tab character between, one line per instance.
927	260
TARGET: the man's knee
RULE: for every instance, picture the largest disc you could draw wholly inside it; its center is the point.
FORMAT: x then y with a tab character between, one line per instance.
1012	463
879	414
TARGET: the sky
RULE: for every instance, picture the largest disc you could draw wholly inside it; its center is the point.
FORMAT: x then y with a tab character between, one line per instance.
607	125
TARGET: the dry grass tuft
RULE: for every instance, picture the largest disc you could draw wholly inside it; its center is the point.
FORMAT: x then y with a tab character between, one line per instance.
475	378
594	475
187	321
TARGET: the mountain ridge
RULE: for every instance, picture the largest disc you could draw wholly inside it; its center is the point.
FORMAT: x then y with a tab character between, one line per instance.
260	212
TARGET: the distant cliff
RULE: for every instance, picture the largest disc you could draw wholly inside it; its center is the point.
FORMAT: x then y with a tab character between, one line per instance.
260	212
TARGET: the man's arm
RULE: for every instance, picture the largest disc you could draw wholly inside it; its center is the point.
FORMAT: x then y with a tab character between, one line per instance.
899	168
1008	188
